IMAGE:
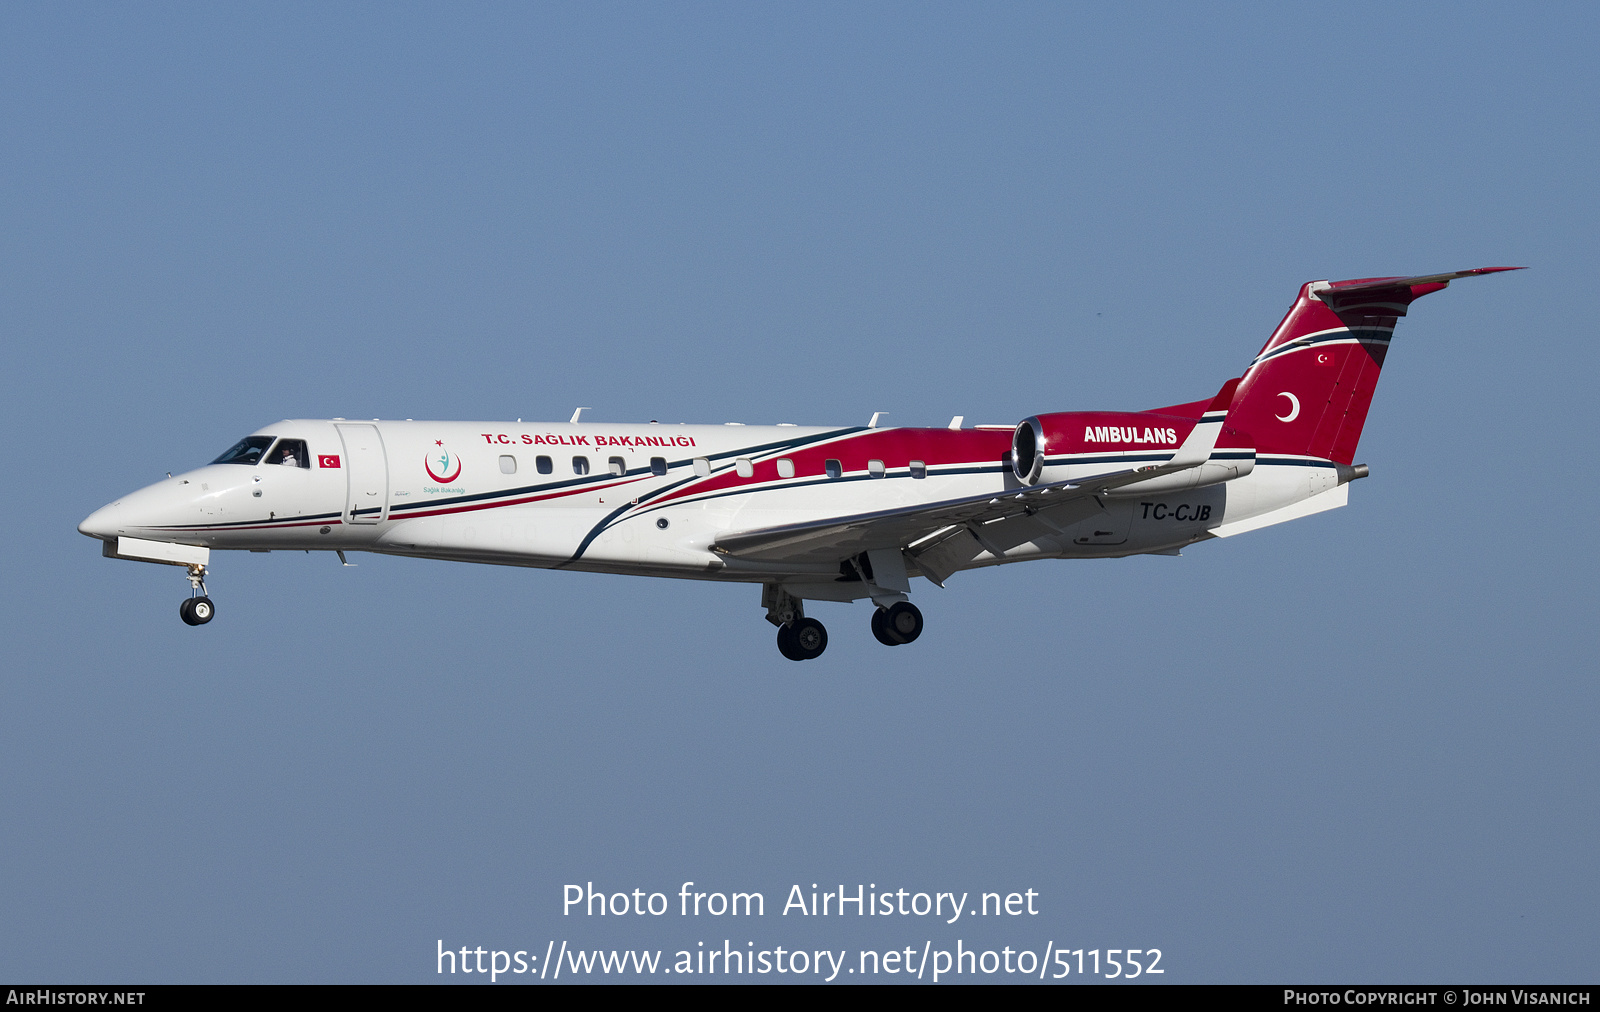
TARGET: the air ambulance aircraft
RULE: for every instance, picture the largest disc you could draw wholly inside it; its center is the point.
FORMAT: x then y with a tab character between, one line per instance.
841	513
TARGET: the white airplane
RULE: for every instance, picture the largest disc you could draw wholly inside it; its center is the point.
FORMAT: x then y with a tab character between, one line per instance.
809	513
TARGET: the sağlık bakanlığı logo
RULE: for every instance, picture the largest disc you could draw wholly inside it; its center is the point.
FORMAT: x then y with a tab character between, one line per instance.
448	464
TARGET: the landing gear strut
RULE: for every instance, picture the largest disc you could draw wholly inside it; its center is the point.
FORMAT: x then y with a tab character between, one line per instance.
198	609
898	624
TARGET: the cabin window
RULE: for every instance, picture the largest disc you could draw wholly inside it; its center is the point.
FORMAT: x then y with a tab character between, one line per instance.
875	468
246	451
919	469
508	464
289	453
744	468
702	467
785	467
658	466
833	468
580	465
617	466
544	465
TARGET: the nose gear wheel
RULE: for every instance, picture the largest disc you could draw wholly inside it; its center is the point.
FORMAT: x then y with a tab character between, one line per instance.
197	610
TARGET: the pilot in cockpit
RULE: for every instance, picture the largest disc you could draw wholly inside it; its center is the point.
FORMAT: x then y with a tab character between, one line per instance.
289	458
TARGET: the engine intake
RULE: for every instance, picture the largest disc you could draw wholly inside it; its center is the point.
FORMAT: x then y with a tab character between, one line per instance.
1028	450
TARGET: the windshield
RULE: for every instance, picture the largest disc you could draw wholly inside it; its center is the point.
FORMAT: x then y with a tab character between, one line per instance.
246	451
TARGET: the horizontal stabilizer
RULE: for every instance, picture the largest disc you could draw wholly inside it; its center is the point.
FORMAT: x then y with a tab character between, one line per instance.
1365	284
1388	296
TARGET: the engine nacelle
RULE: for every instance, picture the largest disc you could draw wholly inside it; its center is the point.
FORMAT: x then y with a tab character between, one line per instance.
1028	445
1056	447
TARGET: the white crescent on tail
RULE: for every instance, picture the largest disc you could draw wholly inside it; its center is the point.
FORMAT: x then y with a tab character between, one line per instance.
1294	409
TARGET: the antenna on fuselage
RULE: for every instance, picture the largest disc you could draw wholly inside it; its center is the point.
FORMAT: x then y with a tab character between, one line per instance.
875	416
576	415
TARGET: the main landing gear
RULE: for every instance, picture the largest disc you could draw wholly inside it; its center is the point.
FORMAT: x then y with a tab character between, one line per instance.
802	639
898	624
198	609
799	638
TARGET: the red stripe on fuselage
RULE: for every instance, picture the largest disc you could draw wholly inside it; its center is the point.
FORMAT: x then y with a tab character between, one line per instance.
897	448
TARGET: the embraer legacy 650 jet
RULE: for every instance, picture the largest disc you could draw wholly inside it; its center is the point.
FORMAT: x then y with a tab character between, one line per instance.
810	514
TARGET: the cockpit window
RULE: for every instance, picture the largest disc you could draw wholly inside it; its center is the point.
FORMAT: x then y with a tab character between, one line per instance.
290	453
246	451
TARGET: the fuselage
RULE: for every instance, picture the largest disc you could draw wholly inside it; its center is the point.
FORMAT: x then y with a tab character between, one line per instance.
651	499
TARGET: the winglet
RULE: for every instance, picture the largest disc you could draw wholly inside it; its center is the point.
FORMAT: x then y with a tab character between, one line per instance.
1196	449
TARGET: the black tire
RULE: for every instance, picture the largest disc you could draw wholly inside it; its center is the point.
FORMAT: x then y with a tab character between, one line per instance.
786	645
810	638
881	631
197	610
903	621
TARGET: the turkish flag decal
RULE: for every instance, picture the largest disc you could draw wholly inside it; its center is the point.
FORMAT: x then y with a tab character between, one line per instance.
1324	358
328	460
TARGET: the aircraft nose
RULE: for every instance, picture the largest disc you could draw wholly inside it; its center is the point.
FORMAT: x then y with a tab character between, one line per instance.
104	522
150	512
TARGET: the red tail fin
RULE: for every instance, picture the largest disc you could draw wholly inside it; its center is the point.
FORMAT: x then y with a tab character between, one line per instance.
1308	390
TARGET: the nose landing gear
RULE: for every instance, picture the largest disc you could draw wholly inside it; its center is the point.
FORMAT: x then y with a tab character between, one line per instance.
198	609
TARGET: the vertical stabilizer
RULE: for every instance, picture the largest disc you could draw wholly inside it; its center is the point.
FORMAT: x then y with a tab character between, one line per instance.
1308	391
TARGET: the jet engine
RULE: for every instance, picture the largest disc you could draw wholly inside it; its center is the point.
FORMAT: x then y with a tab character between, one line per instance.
1089	443
1028	450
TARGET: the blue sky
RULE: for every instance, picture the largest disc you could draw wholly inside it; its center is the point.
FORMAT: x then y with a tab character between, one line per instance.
1355	747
